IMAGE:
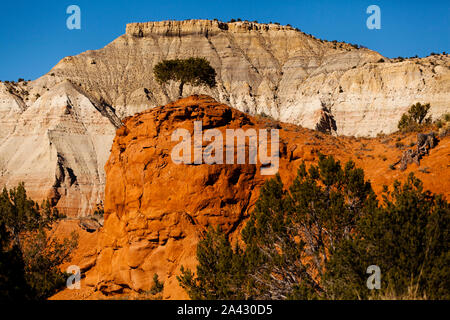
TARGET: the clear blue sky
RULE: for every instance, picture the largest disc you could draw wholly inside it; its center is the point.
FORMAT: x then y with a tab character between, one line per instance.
34	36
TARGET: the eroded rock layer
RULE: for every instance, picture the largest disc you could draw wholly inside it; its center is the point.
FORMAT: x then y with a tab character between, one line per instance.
156	210
56	131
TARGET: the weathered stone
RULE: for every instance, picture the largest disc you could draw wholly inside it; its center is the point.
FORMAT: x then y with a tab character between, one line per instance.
56	131
156	227
90	225
425	142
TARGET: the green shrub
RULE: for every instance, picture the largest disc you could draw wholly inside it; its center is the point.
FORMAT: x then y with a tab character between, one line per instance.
220	272
193	71
157	286
327	196
317	238
29	260
446	117
415	118
407	237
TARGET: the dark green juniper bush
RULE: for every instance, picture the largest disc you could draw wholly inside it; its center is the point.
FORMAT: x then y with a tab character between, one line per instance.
157	286
220	274
316	239
407	237
192	71
415	118
29	259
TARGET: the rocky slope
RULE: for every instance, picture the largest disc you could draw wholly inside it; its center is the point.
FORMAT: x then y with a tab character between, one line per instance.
156	210
56	131
58	146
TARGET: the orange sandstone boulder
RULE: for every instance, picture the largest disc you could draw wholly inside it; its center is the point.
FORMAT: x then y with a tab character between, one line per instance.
157	210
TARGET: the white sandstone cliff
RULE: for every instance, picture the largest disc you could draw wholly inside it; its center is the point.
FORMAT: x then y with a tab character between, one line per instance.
56	131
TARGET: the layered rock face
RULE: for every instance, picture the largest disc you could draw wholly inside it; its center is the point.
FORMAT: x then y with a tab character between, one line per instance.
156	210
58	146
56	131
146	230
263	68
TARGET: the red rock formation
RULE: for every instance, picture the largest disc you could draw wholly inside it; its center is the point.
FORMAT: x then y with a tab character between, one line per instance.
156	210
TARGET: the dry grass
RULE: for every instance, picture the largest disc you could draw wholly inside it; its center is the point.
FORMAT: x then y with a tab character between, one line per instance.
411	294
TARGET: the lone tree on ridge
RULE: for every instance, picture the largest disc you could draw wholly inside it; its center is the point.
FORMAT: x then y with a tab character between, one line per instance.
193	71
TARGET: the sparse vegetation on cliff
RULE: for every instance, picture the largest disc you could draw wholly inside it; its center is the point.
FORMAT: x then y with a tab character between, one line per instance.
415	118
193	71
157	286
